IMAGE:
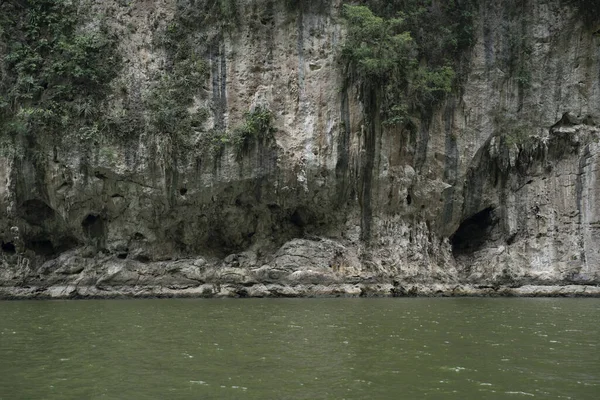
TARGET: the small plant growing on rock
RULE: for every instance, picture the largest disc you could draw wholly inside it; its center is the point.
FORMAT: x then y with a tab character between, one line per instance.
216	141
257	127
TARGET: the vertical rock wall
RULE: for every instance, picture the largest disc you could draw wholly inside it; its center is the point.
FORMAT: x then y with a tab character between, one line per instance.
497	186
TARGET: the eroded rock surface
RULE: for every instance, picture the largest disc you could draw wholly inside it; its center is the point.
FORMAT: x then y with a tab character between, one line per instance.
494	193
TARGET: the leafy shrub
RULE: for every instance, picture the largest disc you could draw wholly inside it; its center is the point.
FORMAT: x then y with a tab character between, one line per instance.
317	6
431	85
171	97
194	16
217	142
513	131
382	56
377	49
54	77
441	29
257	127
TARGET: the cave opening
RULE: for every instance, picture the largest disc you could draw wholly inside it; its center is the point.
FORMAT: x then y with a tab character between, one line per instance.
93	226
9	248
298	218
42	247
473	232
302	217
36	212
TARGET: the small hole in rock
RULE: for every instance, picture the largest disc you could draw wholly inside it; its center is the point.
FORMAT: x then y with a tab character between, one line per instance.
511	239
9	248
408	200
301	217
89	220
100	175
142	258
138	236
93	225
183	191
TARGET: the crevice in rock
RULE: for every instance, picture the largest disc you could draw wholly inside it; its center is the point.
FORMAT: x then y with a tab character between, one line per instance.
142	258
341	166
64	186
473	233
100	175
366	173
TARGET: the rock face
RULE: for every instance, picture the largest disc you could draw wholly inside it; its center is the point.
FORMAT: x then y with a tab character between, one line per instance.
494	192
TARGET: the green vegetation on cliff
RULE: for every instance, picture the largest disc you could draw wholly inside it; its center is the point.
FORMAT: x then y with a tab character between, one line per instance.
55	70
441	29
389	51
257	127
195	34
172	95
403	56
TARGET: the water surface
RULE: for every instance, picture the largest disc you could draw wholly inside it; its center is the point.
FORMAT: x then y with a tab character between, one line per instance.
301	349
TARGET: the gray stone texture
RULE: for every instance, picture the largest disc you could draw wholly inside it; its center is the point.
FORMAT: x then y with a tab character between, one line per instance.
456	208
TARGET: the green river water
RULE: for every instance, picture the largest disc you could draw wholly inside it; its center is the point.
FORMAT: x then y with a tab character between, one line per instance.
415	348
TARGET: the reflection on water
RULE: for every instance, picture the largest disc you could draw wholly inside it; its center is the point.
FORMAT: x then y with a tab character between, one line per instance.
300	349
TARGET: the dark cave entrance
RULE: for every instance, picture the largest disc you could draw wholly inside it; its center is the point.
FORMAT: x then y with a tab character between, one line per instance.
93	226
36	212
473	232
9	248
301	217
42	247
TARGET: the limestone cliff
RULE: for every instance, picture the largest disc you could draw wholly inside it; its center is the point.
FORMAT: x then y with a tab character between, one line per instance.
491	190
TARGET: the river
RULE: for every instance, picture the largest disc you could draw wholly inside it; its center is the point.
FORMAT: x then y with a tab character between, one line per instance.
386	348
